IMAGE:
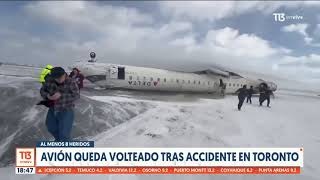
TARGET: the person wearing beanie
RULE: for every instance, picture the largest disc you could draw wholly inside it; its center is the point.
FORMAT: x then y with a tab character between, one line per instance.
63	92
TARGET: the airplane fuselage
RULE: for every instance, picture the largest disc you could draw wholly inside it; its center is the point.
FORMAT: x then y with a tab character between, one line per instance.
143	78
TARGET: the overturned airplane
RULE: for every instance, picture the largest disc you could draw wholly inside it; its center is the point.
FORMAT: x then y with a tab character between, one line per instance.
142	78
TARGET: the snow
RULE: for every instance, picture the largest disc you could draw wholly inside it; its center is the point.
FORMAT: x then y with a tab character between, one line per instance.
292	121
4	145
20	71
30	115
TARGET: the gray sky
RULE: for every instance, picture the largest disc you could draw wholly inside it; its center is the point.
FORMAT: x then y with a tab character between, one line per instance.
177	35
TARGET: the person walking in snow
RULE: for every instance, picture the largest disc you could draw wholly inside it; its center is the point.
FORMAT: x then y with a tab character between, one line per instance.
268	94
242	94
262	90
265	93
63	91
250	92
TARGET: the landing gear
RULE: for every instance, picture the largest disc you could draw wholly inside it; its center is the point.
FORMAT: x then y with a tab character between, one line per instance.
92	57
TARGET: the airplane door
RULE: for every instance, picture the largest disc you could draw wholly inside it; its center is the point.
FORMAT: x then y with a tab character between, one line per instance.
113	72
220	82
121	73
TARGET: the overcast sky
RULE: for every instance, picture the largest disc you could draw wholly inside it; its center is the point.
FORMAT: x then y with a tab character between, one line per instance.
175	34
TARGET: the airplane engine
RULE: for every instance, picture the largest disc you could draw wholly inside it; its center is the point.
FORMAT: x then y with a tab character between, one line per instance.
271	85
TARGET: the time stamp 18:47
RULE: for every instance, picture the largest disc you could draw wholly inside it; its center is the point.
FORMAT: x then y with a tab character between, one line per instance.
25	170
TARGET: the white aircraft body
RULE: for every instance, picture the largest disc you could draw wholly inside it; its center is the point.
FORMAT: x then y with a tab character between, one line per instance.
143	78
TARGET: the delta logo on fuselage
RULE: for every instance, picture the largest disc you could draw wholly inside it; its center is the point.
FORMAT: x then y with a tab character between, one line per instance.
143	83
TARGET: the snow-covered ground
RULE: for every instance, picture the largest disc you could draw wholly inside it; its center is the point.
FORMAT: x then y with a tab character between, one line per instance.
17	70
177	120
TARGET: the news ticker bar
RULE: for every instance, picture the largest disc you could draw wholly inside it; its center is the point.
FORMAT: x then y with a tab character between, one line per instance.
160	170
166	157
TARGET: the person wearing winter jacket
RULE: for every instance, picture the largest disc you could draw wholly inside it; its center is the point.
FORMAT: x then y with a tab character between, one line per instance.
242	94
78	77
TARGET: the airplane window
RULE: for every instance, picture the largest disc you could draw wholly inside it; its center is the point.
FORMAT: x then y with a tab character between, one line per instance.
229	84
165	80
151	79
158	79
177	80
208	83
188	81
137	78
144	78
194	82
234	84
199	82
130	77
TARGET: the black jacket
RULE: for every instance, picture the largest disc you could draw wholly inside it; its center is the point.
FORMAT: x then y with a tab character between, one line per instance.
242	93
250	92
46	102
268	92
